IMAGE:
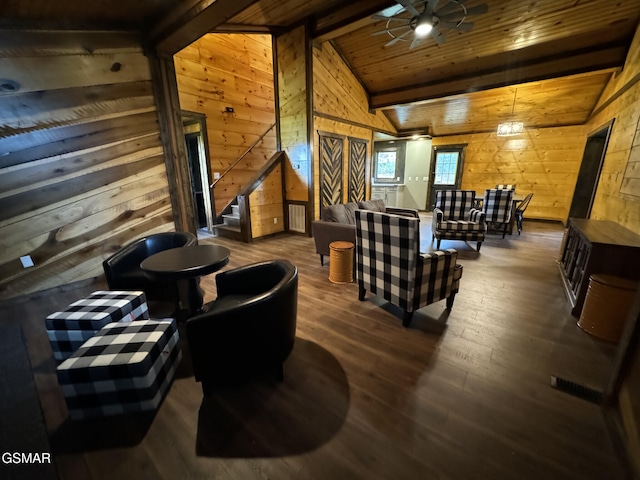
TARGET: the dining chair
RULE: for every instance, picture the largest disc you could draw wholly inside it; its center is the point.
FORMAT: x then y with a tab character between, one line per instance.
520	211
497	207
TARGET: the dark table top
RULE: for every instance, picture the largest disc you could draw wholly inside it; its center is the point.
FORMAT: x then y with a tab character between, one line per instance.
186	262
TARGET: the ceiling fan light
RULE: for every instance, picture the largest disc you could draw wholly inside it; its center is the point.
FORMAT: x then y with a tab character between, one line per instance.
423	28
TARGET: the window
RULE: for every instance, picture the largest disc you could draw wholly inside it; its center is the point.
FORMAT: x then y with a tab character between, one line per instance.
388	162
446	167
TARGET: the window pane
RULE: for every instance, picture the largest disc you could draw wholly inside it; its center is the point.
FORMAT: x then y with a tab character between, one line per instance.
446	168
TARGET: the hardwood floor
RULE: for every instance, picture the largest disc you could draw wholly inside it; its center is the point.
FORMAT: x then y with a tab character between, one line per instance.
459	396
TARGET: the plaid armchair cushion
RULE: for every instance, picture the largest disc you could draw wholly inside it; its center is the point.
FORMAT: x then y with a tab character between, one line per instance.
389	263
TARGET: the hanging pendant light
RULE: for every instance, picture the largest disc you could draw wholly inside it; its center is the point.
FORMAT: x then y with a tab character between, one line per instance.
508	129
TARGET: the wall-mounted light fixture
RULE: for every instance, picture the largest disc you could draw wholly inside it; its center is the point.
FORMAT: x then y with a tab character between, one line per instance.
508	129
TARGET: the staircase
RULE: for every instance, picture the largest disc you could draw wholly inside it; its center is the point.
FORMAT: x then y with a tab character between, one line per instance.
230	226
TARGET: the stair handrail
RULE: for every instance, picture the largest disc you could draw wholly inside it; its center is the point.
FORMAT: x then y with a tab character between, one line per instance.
242	156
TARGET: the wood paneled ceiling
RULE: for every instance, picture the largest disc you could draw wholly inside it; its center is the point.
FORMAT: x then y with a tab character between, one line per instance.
543	62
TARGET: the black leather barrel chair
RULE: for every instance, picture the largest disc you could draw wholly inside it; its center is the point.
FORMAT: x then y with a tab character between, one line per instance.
249	330
122	269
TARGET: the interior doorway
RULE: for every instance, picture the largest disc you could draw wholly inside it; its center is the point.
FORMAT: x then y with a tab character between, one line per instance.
590	168
197	147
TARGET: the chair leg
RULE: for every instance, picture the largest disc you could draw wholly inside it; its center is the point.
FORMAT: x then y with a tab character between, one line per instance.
406	318
478	246
504	229
519	222
361	292
450	301
438	244
322	260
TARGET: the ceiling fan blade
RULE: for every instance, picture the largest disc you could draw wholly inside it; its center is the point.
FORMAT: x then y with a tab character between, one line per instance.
478	9
458	15
438	36
416	41
430	7
382	17
463	27
397	39
409	6
388	30
448	8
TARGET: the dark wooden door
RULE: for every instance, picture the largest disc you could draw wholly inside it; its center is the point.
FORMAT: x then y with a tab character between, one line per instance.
446	171
589	173
331	157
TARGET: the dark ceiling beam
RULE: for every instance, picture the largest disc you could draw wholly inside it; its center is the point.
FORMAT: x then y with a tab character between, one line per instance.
569	63
342	20
191	20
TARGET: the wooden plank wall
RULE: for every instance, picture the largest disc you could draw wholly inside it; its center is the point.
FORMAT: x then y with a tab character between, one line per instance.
231	70
341	106
82	168
544	161
292	86
266	204
620	101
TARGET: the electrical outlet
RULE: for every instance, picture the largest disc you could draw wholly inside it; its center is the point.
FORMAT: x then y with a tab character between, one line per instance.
216	175
424	179
275	220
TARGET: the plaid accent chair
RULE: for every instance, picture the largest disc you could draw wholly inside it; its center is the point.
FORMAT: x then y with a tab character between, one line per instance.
390	264
508	186
497	207
455	218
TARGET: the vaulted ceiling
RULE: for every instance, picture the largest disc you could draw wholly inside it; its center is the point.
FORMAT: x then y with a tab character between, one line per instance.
543	62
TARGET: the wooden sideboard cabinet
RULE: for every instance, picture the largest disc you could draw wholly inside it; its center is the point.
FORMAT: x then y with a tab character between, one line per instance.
596	246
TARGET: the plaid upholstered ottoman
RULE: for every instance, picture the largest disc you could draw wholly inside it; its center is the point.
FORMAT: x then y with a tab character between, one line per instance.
69	329
125	367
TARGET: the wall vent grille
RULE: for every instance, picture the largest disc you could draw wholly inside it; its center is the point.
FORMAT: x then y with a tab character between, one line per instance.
297	218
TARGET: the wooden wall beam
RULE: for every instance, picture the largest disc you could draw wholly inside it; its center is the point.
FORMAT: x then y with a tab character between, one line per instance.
185	25
170	119
569	63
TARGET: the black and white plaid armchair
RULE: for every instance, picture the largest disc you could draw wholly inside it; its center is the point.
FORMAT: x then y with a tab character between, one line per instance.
389	263
454	217
497	206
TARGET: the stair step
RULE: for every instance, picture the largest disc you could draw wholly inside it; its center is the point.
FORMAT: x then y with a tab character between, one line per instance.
231	220
227	227
228	231
235	210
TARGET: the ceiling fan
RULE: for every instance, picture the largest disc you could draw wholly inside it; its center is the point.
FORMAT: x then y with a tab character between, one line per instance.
423	17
